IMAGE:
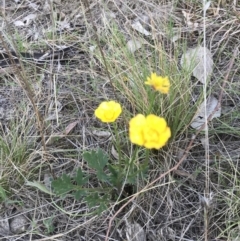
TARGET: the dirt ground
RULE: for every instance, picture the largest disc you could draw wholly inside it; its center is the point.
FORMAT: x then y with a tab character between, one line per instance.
53	45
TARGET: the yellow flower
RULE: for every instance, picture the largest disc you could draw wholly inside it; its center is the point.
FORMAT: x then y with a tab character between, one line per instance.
151	131
136	126
159	83
108	111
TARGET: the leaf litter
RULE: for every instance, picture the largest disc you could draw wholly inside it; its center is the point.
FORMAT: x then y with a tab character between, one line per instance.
200	117
197	61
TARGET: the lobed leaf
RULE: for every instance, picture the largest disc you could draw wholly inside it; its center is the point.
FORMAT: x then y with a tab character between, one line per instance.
62	185
96	159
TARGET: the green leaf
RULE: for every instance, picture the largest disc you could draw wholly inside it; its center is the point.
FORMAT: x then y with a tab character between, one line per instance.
96	159
101	208
40	186
112	170
137	172
102	176
78	194
49	225
62	185
94	200
131	179
114	175
80	178
3	194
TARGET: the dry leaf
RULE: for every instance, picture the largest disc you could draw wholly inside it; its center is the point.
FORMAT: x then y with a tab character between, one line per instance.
28	19
144	20
114	153
138	26
70	127
199	118
101	133
193	61
206	5
18	23
58	135
133	45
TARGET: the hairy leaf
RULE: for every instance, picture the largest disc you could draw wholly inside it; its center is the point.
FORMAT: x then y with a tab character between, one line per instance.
78	194
80	178
62	185
96	159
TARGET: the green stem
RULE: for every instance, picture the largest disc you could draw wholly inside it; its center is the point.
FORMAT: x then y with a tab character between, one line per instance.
152	100
119	177
146	161
117	143
105	190
147	156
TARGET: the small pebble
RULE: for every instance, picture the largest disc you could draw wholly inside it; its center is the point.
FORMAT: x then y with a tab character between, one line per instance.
19	224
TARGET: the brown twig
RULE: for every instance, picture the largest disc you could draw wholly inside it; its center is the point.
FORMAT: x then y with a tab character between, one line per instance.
185	153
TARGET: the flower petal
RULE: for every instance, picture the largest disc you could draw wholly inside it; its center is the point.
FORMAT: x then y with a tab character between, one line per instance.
136	126
159	83
108	111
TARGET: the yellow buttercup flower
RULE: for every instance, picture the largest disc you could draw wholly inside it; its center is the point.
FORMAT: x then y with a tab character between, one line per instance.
136	126
156	133
151	131
159	83
108	111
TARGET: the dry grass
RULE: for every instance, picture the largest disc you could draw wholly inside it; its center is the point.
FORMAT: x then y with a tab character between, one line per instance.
176	207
